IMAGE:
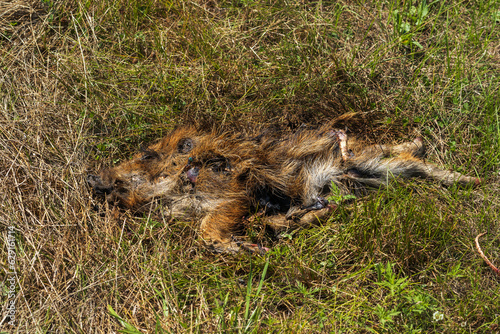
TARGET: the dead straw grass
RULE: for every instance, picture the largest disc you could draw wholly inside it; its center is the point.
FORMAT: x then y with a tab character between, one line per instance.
82	84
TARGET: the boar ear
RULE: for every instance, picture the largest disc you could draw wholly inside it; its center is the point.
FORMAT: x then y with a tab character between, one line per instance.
185	145
149	154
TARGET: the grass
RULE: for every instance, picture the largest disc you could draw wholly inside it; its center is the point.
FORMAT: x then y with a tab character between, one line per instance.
84	84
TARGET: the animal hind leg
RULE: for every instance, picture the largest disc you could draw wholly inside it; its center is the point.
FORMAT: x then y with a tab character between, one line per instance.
415	148
448	177
407	166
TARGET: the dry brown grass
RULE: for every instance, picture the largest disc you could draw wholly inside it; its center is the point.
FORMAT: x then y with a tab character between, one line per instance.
82	85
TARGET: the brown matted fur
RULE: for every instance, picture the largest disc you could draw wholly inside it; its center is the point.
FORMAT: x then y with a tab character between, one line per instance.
218	179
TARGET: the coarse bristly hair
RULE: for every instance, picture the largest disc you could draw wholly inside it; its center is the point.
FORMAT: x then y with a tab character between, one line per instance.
219	178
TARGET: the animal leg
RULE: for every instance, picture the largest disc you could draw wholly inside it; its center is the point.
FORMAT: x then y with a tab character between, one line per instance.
415	148
301	218
448	177
342	138
218	229
318	203
407	166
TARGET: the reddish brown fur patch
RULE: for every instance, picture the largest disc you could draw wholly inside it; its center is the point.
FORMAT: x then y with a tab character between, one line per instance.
218	179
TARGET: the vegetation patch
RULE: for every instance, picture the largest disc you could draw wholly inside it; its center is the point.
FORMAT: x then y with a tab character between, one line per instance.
84	84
